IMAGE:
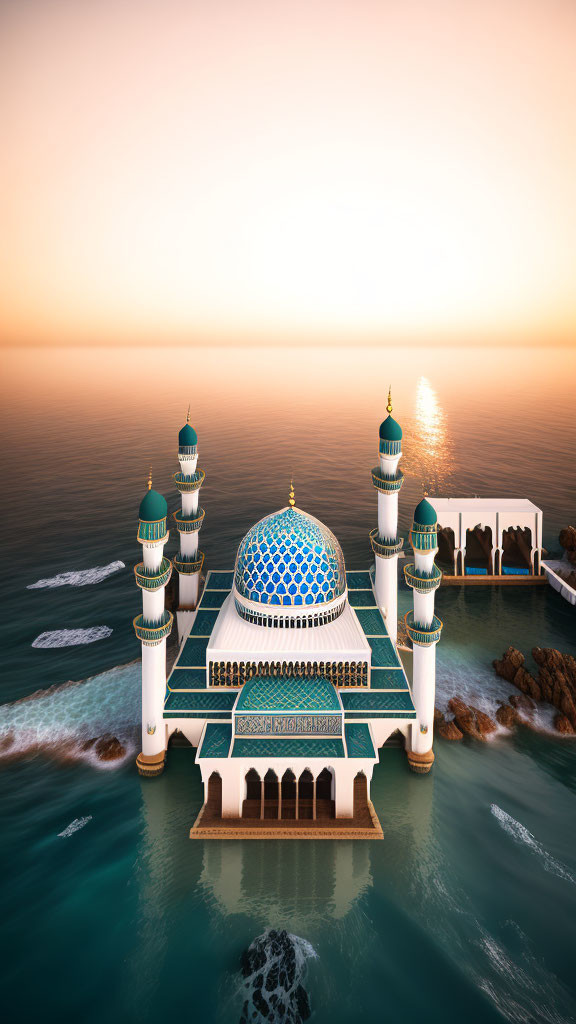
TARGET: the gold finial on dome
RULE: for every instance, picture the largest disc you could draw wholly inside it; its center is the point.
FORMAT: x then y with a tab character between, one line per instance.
188	415
389	406
291	498
150	479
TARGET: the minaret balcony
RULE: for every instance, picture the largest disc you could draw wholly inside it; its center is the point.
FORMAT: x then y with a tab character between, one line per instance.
387	484
188	565
423	635
423	582
152	579
152	633
189	524
186	484
385	547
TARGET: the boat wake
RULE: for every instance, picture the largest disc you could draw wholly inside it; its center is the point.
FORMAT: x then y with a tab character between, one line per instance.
62	720
521	835
78	578
274	966
74	826
71	637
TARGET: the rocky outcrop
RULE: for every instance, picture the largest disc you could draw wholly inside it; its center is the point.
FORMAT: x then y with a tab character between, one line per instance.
564	725
273	968
470	720
507	716
106	748
567	540
522	702
555	682
448	730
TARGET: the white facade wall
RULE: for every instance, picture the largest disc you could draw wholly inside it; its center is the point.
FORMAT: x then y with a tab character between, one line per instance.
153	689
423	694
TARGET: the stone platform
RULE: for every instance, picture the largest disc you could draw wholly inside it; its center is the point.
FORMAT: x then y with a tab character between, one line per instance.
364	825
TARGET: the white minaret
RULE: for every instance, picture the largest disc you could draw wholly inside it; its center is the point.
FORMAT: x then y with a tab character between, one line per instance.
188	520
152	628
386	545
424	629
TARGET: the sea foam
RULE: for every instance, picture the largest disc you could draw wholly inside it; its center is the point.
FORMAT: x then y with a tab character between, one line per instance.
521	835
74	826
71	637
77	578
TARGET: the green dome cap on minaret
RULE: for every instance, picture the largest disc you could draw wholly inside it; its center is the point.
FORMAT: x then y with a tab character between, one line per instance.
425	514
153	506
390	430
187	436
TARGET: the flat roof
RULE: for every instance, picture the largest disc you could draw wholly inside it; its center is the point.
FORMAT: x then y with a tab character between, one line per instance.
497	504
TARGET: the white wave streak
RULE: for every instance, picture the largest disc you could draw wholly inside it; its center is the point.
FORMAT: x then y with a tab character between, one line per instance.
74	826
521	835
77	578
71	637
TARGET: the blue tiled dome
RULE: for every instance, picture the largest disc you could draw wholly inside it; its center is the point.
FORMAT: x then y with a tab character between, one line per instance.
290	558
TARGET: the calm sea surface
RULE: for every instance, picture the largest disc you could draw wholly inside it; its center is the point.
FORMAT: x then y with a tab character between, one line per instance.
467	909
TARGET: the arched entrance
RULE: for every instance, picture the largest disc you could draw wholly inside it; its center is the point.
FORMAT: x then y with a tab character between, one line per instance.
253	799
288	795
517	551
446	547
306	795
361	796
324	801
478	556
214	795
271	795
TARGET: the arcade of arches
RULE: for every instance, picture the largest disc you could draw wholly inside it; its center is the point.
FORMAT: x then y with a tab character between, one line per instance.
236	673
289	797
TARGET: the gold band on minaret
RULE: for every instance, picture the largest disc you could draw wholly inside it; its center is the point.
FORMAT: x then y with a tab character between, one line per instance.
389	406
291	498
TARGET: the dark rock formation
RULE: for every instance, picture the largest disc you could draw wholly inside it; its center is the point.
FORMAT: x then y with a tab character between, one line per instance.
564	725
273	968
507	716
448	730
469	720
522	702
555	683
439	716
567	540
511	661
106	748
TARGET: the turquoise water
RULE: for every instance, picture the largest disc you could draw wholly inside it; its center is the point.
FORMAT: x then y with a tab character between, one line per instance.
467	907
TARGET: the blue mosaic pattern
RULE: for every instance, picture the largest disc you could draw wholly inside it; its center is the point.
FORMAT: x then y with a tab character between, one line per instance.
359	580
205	701
204	622
289	558
288	693
187	678
213	598
361	599
193	653
288	725
216	742
220	580
371	621
358	741
288	748
374	700
388	679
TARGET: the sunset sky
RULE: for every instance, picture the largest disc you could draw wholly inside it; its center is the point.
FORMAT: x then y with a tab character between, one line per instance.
235	170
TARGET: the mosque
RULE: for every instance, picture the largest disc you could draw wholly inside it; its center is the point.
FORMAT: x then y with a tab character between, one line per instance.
288	677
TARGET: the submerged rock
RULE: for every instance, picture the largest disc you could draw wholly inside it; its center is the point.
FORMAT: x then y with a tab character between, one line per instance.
470	720
564	725
507	716
273	967
448	730
107	748
483	721
511	661
522	702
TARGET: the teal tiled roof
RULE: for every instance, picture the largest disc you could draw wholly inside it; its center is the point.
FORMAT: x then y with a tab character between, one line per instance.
187	678
269	747
371	621
216	742
358	740
288	693
213	599
377	700
361	598
193	653
388	679
383	653
359	581
219	580
205	701
204	622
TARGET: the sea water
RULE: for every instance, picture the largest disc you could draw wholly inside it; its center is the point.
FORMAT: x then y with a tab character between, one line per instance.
467	908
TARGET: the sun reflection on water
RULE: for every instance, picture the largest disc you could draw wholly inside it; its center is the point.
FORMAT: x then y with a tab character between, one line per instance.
433	448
